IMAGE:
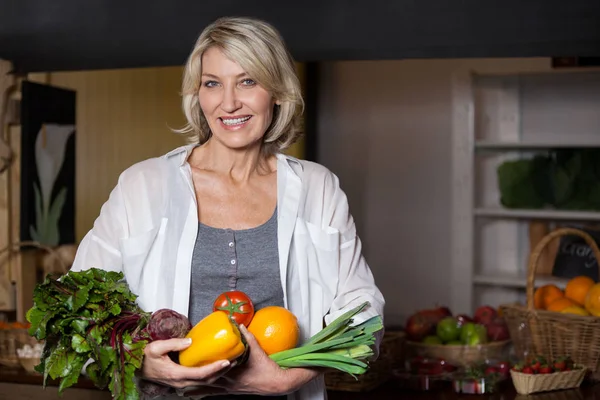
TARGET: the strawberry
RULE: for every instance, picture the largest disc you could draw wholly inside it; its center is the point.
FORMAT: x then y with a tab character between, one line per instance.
527	370
518	367
535	366
545	369
560	365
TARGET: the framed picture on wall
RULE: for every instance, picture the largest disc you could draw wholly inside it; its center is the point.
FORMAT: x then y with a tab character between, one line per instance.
47	164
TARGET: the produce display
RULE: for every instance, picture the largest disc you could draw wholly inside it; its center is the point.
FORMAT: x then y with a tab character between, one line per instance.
92	315
438	326
581	296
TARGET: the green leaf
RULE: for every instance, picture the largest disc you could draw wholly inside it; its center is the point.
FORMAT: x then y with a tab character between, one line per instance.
80	326
115	309
52	233
57	363
77	299
340	323
34	234
39	214
38	319
80	345
71	372
515	183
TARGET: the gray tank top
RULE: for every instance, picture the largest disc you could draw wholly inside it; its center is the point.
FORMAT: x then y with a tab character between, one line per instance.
227	259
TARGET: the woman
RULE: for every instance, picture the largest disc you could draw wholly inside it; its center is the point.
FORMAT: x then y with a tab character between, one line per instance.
230	211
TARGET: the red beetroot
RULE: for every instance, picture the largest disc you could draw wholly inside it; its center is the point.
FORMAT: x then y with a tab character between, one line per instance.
167	324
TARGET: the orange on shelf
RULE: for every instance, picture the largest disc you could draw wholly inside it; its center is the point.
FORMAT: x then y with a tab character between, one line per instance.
545	295
592	301
577	289
560	304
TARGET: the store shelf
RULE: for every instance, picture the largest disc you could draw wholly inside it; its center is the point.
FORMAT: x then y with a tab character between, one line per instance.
516	281
562	215
502	146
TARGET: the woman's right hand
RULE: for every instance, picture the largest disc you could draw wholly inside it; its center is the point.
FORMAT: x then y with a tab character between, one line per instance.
158	367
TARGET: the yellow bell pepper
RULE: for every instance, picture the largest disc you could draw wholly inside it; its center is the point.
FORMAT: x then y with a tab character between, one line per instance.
214	338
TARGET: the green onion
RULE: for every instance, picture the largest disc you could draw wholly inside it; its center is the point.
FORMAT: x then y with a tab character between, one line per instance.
337	346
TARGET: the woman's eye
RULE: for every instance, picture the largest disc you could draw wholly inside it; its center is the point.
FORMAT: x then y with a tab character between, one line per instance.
210	84
248	82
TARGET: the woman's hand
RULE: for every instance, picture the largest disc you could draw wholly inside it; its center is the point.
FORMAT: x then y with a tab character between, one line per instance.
258	375
158	367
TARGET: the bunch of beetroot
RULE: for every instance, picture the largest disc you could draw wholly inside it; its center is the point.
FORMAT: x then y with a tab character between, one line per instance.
92	315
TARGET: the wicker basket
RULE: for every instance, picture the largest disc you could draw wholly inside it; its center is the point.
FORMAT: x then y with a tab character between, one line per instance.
391	353
10	341
552	334
534	383
459	355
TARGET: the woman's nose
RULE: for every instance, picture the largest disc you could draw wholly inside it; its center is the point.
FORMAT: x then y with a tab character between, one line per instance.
230	101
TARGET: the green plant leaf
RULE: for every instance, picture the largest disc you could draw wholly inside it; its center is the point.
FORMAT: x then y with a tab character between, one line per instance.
40	219
89	315
515	184
51	232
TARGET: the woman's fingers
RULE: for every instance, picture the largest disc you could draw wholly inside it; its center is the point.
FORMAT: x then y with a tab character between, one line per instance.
207	371
159	348
182	377
247	335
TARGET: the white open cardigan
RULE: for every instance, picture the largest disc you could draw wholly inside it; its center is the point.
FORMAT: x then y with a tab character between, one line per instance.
148	227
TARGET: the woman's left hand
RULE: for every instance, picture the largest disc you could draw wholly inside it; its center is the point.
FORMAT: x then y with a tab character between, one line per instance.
260	375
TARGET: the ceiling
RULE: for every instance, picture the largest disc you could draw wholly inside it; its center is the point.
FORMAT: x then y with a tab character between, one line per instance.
55	35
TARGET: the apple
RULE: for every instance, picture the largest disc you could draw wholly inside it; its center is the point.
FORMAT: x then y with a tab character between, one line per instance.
443	311
421	324
432	339
448	329
463	319
473	334
485	315
497	330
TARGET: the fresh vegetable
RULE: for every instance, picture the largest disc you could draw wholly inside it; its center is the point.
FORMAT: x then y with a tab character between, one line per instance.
214	338
237	305
339	345
93	315
167	324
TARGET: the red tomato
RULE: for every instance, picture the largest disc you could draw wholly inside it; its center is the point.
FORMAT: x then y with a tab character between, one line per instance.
237	304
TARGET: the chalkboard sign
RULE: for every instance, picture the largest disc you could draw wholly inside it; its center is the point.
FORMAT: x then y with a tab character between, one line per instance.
575	257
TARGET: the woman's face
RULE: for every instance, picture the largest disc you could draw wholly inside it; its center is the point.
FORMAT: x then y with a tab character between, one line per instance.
237	109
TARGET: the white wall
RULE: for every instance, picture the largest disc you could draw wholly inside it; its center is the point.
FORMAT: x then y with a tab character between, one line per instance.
385	130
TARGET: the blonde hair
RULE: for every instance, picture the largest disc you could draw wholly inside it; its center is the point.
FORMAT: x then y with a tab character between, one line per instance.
261	52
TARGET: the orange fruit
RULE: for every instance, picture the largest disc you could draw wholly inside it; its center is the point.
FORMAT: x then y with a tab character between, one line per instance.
544	295
575	310
578	288
275	328
560	304
592	300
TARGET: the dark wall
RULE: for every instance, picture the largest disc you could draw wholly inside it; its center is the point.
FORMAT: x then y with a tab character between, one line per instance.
42	35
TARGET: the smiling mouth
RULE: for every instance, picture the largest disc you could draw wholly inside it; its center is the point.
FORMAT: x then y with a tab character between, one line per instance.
235	121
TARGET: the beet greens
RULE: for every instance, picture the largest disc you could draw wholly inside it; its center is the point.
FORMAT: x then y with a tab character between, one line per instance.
90	315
